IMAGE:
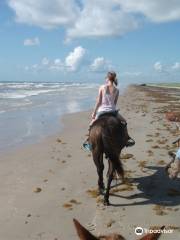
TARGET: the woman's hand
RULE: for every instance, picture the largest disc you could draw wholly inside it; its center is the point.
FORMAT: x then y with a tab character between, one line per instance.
93	115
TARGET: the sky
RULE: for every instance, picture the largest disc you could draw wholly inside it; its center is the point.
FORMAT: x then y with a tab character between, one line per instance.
80	40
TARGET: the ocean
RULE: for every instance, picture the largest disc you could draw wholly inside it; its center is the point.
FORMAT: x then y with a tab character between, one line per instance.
31	111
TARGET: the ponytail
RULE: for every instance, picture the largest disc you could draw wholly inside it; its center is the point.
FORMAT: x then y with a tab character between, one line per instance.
113	78
115	81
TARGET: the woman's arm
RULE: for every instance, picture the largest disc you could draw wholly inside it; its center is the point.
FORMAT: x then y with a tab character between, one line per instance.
98	102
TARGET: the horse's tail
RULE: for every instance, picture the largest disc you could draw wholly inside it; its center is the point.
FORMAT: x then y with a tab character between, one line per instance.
111	153
117	165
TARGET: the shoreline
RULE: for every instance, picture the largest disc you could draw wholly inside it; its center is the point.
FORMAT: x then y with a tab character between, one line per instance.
31	111
46	185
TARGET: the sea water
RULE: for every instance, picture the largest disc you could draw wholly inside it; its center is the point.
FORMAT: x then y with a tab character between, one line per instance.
32	111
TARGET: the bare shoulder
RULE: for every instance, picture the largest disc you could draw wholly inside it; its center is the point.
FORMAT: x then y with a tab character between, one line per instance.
101	88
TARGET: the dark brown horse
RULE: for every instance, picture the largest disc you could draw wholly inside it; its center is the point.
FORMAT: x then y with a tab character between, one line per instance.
108	136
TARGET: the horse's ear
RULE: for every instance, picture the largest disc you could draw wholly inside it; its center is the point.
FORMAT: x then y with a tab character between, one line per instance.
152	236
82	232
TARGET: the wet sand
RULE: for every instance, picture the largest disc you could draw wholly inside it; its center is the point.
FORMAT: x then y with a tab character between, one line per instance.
44	186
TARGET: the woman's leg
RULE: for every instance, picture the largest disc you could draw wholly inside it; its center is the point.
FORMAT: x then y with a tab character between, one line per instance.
130	141
86	143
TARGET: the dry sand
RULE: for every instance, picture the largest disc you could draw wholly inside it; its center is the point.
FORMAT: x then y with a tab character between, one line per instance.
43	186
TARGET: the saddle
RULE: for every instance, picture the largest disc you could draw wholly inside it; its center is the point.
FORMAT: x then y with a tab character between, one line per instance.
109	114
112	113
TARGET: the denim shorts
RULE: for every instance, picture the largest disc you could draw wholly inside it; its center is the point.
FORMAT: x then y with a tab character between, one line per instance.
98	114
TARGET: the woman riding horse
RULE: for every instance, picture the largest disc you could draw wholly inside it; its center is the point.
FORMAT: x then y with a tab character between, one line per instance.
106	103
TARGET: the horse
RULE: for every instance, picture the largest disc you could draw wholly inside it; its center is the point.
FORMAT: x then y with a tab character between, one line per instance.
108	135
84	234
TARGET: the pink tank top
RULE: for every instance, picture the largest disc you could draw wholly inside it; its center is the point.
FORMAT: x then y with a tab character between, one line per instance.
108	100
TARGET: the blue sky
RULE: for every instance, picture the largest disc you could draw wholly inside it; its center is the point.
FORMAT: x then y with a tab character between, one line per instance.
72	40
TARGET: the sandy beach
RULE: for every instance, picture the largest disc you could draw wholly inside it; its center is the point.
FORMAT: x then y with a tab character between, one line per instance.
45	185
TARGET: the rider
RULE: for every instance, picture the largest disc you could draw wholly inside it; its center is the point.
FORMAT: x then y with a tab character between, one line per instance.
106	103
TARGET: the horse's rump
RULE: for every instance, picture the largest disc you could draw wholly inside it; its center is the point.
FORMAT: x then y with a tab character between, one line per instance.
108	128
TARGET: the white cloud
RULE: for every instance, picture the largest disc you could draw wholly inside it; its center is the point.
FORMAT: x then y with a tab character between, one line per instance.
100	19
31	41
154	10
100	64
72	62
158	66
44	13
75	58
176	66
94	18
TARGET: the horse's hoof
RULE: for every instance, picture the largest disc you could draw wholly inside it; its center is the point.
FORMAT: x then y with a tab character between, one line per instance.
106	202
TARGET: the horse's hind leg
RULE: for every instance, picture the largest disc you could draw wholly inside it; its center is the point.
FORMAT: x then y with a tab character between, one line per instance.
111	171
98	160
